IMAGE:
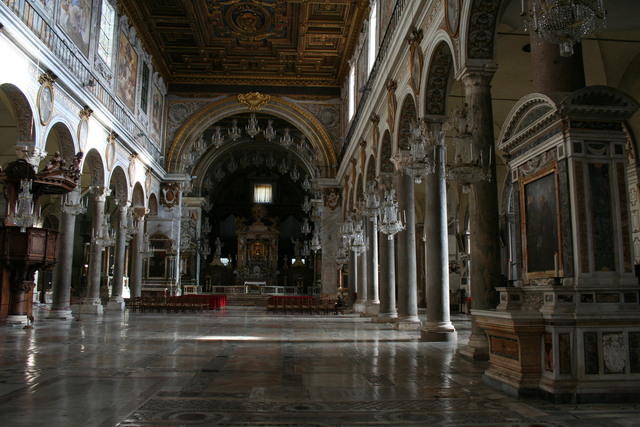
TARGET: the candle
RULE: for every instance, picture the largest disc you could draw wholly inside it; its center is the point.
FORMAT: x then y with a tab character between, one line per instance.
555	265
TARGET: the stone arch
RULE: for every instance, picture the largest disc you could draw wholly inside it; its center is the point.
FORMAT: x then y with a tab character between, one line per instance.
137	196
478	27
93	169
153	205
385	153
439	73
357	191
65	142
118	184
408	114
305	122
22	111
370	170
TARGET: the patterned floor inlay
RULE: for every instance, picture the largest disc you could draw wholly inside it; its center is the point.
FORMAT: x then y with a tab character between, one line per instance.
246	367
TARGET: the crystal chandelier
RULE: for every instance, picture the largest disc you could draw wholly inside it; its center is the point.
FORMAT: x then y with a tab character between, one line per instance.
252	128
283	167
470	164
234	131
306	184
346	231
389	221
421	152
295	174
216	138
371	206
565	22
108	235
269	132
199	145
358	245
286	139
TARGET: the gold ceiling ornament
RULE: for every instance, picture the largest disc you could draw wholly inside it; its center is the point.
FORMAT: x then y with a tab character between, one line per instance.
254	100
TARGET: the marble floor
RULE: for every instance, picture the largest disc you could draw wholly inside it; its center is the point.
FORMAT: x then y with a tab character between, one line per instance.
243	366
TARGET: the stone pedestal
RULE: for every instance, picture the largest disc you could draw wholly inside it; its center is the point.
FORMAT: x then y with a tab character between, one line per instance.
115	304
89	306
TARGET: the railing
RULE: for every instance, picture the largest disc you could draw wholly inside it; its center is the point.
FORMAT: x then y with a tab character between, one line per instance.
380	58
69	56
255	290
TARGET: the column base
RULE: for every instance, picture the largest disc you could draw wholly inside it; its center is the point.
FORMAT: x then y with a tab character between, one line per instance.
60	314
372	308
17	320
89	306
408	323
438	332
386	318
115	304
360	306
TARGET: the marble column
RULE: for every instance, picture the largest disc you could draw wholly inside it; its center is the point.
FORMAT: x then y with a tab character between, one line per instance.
361	266
353	278
438	326
373	301
484	211
91	304
388	311
135	281
116	303
61	304
407	280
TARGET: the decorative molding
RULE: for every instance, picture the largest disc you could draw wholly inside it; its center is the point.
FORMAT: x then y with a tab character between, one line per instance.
416	59
110	150
254	100
482	26
392	103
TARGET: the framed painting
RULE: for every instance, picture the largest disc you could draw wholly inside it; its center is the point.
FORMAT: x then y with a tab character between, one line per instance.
127	72
74	18
540	217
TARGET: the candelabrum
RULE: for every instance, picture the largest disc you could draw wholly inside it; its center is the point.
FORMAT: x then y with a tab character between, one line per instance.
73	204
389	220
371	205
564	22
421	161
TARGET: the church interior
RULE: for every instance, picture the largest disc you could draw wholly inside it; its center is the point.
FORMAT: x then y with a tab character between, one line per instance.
304	212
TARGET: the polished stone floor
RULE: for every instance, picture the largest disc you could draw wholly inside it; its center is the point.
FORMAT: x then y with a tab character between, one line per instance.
243	366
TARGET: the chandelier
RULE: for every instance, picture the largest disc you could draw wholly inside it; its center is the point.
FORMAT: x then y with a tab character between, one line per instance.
107	237
216	138
342	256
470	164
234	131
565	22
286	139
306	205
252	128
420	160
269	132
358	244
306	227
389	221
371	206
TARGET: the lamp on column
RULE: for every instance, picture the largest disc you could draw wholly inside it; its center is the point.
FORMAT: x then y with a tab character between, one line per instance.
358	244
564	22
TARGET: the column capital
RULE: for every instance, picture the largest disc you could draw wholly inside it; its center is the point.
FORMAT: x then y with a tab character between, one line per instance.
31	154
477	77
139	212
100	193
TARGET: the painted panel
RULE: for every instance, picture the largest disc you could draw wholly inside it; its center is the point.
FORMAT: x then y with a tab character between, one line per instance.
127	72
75	20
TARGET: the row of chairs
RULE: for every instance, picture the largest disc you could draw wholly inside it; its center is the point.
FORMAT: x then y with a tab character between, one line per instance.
303	304
189	303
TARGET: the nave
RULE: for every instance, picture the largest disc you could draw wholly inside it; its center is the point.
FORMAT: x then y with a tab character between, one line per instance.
245	366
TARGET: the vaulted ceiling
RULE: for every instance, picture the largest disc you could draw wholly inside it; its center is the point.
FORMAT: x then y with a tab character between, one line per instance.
289	47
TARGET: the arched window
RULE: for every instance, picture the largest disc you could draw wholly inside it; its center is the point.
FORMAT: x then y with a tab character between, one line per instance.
372	37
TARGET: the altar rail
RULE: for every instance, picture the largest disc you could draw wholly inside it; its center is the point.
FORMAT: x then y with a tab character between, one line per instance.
178	304
255	290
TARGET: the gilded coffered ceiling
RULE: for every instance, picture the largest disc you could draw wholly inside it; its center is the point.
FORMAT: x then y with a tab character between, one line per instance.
298	46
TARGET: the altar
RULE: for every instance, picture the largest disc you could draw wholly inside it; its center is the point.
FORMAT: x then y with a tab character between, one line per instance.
257	250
